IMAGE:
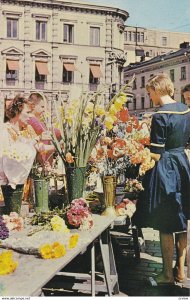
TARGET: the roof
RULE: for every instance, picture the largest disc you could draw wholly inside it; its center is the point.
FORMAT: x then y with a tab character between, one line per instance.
158	59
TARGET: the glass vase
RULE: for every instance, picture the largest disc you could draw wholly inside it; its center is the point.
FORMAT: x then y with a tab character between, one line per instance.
75	182
109	190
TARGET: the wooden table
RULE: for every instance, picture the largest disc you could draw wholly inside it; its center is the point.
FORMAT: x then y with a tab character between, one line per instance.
33	273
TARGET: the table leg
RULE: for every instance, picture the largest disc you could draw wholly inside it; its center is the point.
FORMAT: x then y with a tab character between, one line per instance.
108	262
93	270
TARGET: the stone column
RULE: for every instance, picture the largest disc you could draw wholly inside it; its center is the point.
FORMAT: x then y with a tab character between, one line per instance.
108	49
28	74
56	67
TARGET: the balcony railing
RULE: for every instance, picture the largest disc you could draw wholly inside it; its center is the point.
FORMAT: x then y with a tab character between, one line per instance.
93	87
10	82
40	85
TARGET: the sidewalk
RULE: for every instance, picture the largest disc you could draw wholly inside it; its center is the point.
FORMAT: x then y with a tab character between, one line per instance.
133	274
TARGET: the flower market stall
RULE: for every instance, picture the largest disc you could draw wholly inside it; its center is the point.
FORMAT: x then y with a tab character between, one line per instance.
31	272
100	141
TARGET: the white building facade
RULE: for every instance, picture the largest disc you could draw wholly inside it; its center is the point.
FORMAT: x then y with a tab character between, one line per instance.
58	47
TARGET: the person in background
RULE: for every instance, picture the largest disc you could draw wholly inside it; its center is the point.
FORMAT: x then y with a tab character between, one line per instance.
37	105
19	145
165	202
186	94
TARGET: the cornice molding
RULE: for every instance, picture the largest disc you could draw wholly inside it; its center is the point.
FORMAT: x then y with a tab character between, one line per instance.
73	6
12	51
14	14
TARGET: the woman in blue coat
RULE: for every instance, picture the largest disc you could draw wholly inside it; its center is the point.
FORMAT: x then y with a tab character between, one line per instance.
165	202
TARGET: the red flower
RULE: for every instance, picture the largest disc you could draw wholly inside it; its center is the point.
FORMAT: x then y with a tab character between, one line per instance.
129	129
123	115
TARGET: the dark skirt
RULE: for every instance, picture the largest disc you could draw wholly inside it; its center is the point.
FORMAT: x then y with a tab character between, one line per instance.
165	202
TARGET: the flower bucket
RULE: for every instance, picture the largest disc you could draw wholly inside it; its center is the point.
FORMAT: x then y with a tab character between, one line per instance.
109	188
75	182
12	198
41	192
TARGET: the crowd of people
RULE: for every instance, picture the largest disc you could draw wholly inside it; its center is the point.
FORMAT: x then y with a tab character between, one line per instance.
164	204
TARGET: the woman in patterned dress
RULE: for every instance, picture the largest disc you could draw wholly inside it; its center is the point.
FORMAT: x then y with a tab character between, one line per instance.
165	202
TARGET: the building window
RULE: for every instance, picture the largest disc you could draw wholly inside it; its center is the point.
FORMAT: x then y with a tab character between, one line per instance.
134	103
183	73
41	30
142	82
12	68
95	74
172	75
164	41
68	33
134	84
142	37
12	28
94	36
129	36
151	104
142	102
138	37
134	37
68	72
41	71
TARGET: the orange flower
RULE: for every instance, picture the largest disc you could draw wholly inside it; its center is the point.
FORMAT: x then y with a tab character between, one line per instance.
135	122
123	115
129	129
69	158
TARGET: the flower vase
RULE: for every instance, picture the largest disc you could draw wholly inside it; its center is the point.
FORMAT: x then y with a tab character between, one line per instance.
75	182
109	189
41	192
12	198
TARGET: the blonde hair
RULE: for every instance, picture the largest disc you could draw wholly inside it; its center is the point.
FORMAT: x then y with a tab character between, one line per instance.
162	84
35	97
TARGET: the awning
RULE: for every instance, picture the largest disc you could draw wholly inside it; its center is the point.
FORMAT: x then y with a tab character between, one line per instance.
70	67
96	72
42	68
13	65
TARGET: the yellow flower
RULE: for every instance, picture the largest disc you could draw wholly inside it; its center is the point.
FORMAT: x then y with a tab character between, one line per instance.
89	108
55	250
100	111
7	264
118	103
45	251
58	224
58	250
113	109
73	241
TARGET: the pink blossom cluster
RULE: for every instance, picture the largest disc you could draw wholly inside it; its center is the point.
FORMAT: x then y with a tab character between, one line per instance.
79	214
126	207
13	221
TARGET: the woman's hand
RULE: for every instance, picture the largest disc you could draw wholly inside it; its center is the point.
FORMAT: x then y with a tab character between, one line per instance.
155	156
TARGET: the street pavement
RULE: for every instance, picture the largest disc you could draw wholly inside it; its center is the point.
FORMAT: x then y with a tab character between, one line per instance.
133	274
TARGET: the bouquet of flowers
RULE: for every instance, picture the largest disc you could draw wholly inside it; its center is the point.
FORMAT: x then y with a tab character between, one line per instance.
13	221
126	207
133	186
79	215
81	121
110	155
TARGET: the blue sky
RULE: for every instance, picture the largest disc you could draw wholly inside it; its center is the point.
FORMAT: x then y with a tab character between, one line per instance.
172	15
